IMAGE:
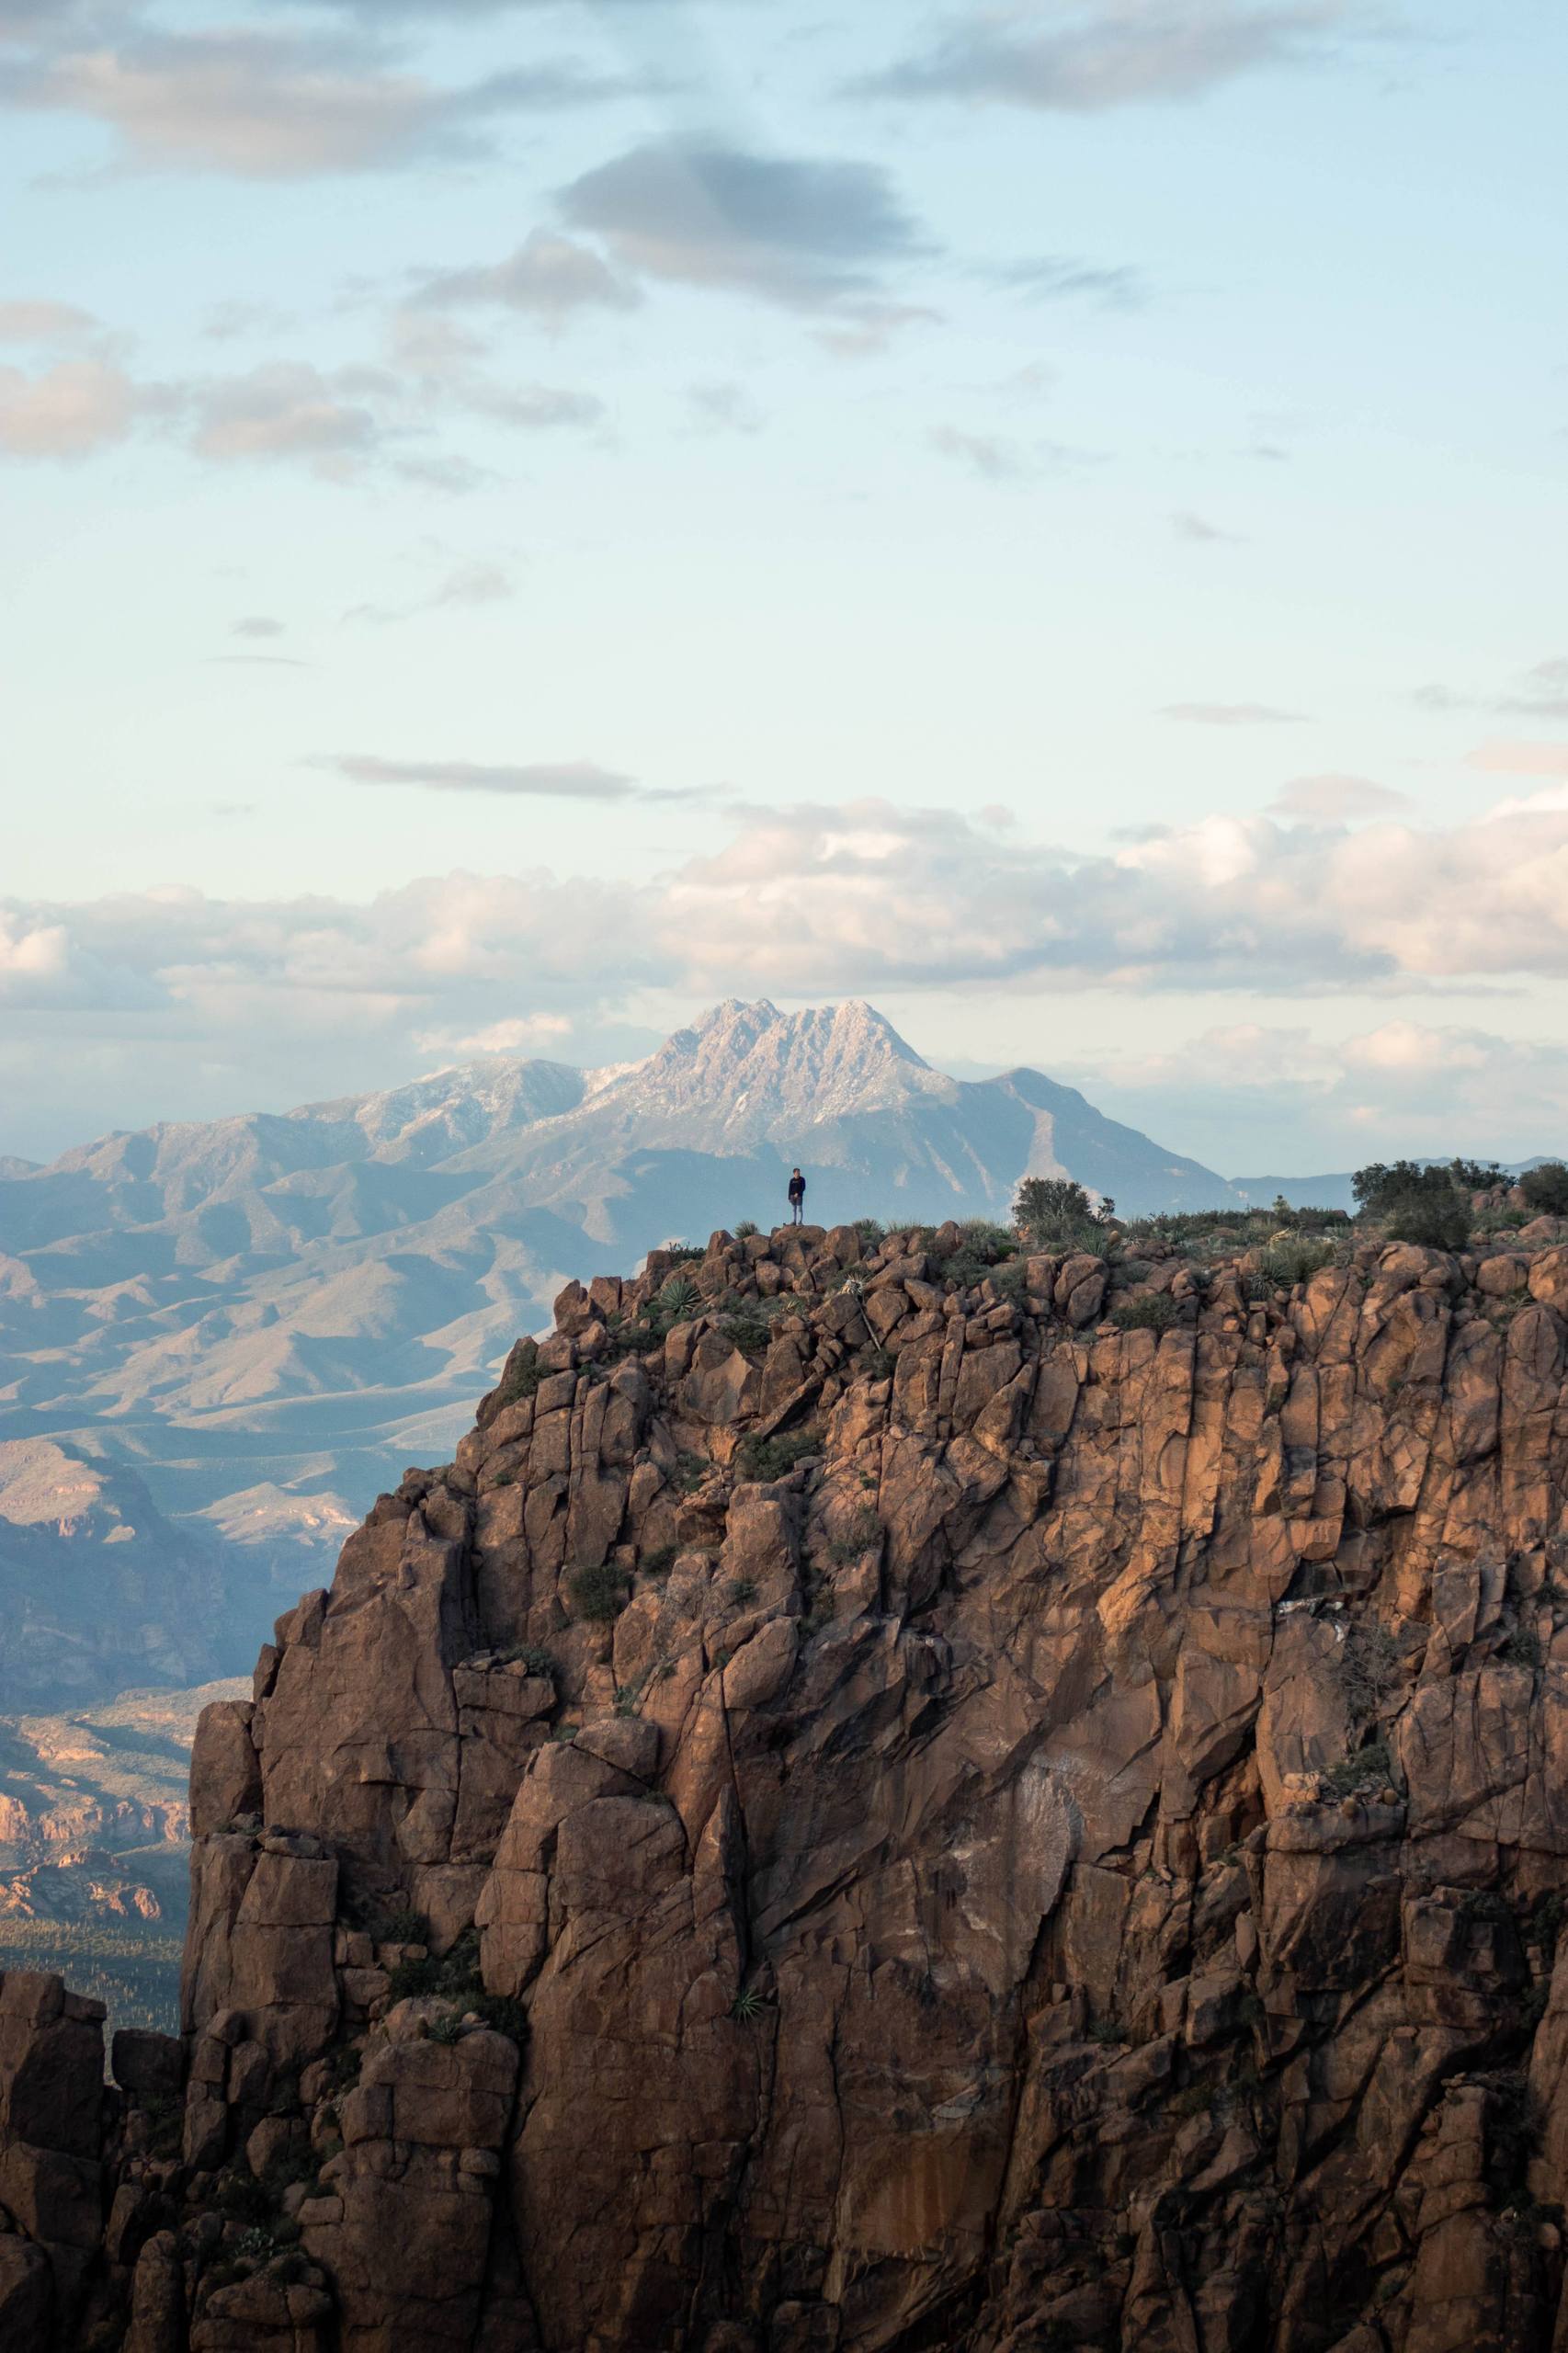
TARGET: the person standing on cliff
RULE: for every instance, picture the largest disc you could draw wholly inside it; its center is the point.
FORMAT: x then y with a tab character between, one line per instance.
797	1197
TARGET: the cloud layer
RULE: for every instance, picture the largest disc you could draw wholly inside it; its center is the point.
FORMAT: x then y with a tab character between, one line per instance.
863	896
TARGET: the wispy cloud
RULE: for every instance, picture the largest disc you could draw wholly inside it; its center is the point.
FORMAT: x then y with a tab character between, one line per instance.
259	105
548	277
1338	800
1232	714
1086	56
1198	531
542	780
1060	277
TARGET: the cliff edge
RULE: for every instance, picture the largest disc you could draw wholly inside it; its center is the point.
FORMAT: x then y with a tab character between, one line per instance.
883	1804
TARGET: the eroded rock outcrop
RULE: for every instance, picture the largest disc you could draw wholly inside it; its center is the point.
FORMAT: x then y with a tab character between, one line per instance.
877	1809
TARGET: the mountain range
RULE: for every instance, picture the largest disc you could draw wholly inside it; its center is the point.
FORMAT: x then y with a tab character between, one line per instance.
255	1322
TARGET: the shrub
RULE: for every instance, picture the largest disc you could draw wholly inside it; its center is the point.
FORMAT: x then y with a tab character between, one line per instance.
1052	1212
746	2005
1546	1187
1364	1768
871	1231
1151	1311
863	1531
989	1241
1369	1669
688	1474
1108	2030
538	1660
403	1926
878	1363
411	1979
749	1324
1430	1222
446	2030
659	1562
244	2198
965	1268
502	2014
597	1591
1422	1203
771	1457
747	1228
1041	1200
1296	1261
743	1590
1521	1648
521	1378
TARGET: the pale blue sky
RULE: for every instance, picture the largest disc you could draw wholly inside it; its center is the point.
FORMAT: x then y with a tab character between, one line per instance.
588	450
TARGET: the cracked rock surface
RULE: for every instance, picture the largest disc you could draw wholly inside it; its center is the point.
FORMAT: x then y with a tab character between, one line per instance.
875	1809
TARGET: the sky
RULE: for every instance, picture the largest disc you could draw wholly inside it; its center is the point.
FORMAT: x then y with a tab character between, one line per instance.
522	519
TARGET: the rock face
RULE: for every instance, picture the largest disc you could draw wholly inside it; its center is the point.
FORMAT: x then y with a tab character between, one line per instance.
871	1809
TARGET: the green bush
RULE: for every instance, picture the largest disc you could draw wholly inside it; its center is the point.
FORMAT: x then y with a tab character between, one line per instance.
1296	1261
1423	1202
871	1231
1521	1648
747	1228
1429	1221
597	1591
771	1457
521	1378
1151	1311
659	1562
1364	1768
1546	1187
538	1660
1054	1214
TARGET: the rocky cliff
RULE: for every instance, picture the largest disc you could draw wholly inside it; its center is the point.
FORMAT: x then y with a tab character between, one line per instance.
872	1808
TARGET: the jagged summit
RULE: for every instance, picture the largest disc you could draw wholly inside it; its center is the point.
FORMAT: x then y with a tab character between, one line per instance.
751	1071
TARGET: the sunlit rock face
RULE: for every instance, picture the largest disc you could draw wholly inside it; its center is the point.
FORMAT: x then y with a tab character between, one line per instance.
881	1805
